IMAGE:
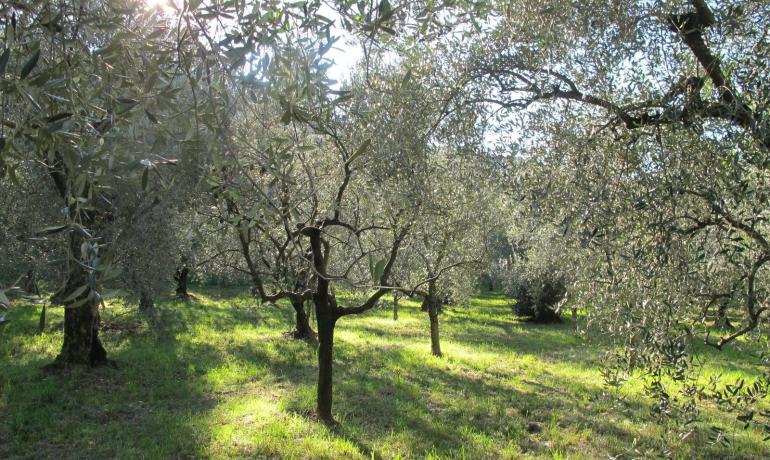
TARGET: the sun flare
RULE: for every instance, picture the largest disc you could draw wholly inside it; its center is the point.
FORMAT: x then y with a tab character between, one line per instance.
165	5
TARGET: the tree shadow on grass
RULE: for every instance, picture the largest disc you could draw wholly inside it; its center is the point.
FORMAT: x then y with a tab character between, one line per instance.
392	395
434	409
390	399
149	406
146	407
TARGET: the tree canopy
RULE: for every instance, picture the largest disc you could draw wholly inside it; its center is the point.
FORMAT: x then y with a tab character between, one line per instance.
610	158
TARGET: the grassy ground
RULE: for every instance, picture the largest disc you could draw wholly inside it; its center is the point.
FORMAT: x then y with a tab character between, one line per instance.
219	379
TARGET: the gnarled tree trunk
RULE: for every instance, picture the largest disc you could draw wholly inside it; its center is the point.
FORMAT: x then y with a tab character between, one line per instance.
181	277
81	337
81	317
302	329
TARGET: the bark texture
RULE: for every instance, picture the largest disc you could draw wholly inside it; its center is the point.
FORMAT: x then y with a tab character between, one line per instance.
433	304
395	307
81	318
181	277
325	312
81	315
435	341
302	329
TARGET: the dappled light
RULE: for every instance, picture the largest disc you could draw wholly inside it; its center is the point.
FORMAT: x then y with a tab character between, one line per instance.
385	229
202	382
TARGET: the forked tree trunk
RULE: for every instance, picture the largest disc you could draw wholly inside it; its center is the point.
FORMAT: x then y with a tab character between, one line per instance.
302	329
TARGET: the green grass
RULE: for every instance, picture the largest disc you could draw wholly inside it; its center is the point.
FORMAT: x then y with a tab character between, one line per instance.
218	379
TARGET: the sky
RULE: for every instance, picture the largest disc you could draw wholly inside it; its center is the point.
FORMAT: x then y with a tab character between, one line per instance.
345	52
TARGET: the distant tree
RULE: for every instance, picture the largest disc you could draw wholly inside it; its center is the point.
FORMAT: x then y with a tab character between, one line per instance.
446	246
25	211
538	277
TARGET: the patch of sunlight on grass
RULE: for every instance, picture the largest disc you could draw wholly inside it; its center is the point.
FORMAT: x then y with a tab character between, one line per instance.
218	378
253	426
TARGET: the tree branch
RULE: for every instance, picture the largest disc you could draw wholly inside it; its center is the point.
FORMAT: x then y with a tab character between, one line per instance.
383	281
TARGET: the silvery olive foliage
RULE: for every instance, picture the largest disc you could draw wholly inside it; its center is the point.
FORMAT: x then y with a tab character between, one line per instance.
650	123
25	212
148	253
96	92
535	257
630	175
448	243
85	88
538	277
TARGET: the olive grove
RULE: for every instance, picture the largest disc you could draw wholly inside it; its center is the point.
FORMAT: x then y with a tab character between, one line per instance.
606	157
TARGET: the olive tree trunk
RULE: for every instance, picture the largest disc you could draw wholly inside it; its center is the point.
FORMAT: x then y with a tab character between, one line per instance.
81	317
723	322
81	337
302	329
433	305
325	306
30	283
395	307
435	342
181	276
146	301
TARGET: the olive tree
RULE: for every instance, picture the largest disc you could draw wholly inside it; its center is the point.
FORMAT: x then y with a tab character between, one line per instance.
654	116
353	226
73	83
261	199
78	79
25	213
446	247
